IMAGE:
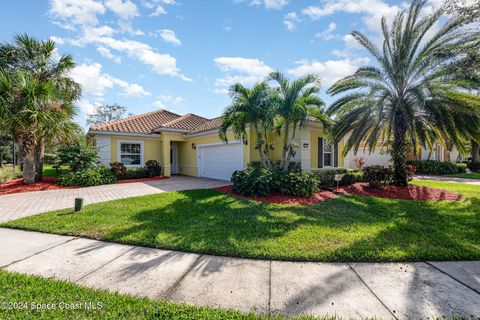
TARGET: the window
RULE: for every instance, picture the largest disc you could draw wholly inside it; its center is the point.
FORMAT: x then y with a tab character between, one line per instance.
131	154
327	154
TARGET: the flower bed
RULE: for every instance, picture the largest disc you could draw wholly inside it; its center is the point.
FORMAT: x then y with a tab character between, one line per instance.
412	192
17	186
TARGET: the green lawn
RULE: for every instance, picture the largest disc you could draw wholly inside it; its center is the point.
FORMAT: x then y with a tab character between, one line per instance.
347	228
27	289
467	175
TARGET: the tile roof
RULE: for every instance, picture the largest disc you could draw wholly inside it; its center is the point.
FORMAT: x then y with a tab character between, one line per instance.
144	123
187	122
212	124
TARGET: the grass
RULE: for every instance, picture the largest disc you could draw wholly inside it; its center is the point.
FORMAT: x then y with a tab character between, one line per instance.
473	175
7	172
33	289
347	228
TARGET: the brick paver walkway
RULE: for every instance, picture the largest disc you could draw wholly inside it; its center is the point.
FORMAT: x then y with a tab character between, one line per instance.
14	206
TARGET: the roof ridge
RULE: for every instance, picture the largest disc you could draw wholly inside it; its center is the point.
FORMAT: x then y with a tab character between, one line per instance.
132	118
174	121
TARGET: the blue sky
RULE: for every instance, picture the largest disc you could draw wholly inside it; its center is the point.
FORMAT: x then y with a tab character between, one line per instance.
182	55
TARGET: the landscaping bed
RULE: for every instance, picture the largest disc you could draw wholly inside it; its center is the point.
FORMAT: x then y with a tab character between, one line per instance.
17	186
412	192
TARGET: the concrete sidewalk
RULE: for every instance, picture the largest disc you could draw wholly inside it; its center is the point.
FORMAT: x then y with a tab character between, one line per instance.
348	290
15	206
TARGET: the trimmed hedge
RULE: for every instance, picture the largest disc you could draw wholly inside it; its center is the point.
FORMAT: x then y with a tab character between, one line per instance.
254	182
87	177
437	167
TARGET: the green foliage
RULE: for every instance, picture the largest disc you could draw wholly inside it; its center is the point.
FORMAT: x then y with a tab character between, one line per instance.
253	182
474	166
51	158
296	184
437	167
86	177
153	167
326	177
106	113
136	173
376	176
118	169
78	155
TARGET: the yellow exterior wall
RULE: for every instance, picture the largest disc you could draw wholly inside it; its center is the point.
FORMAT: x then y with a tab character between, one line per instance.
316	133
152	147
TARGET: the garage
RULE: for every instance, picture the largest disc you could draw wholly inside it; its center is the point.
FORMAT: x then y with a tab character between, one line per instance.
219	161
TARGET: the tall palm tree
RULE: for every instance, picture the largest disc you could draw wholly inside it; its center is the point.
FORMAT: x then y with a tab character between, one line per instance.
39	60
250	107
408	98
295	101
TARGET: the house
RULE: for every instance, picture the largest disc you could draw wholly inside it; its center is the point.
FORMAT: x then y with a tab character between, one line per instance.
189	145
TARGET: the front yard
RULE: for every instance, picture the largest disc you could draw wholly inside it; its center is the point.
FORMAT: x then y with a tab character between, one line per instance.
346	228
473	175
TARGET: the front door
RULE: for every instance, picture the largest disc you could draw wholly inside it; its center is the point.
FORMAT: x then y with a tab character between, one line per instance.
173	158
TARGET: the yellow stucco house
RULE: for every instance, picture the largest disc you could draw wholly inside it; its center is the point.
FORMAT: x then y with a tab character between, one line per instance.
190	145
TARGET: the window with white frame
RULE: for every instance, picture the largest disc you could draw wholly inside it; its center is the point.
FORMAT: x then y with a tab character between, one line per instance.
327	154
131	153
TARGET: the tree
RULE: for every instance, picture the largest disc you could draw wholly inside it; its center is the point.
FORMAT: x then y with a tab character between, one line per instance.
106	113
31	63
468	9
250	107
295	101
409	98
6	149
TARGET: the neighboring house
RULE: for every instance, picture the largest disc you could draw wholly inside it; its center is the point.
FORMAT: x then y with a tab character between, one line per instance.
190	145
381	157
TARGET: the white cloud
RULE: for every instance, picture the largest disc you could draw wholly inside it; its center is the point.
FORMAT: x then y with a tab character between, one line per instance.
105	52
96	83
158	5
86	106
68	13
243	70
329	71
169	36
125	10
158	11
164	101
328	33
289	21
352	47
269	4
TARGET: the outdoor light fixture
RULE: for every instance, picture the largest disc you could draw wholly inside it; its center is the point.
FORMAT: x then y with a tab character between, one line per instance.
194	146
245	141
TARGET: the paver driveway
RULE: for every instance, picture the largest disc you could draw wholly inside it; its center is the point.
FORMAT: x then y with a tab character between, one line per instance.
14	206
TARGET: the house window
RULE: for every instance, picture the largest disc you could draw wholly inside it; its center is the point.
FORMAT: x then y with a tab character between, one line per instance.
131	154
327	154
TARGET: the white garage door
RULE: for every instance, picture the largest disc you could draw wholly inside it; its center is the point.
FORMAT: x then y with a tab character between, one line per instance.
220	161
375	158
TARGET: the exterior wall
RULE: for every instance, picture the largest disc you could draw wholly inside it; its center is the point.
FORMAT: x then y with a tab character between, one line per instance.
316	133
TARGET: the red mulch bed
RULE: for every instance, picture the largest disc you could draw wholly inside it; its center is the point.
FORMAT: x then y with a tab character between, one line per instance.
142	180
412	192
17	186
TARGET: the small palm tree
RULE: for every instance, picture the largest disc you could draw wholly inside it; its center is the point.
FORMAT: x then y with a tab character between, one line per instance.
37	60
295	101
250	106
408	99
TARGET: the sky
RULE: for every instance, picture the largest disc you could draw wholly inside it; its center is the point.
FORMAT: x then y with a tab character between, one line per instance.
182	55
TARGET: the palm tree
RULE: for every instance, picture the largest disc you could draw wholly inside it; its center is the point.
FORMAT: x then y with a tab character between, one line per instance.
408	99
250	106
38	59
295	102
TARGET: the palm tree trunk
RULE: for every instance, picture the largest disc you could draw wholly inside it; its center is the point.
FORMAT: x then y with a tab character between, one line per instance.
29	167
475	151
258	144
399	150
39	153
1	160
286	148
290	148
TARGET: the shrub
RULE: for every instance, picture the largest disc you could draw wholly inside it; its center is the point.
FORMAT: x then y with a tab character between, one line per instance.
153	168
118	169
78	155
253	181
136	173
51	158
326	177
474	166
377	176
297	184
359	162
86	177
437	167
